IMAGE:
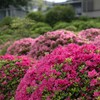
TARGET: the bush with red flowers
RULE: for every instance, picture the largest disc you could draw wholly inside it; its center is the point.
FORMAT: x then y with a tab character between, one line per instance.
89	34
46	43
68	73
20	47
96	41
12	69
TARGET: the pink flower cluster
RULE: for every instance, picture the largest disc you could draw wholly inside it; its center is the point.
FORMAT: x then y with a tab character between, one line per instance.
68	73
96	41
46	43
89	35
21	47
12	69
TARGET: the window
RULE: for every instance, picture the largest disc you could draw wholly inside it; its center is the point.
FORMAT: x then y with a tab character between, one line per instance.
88	5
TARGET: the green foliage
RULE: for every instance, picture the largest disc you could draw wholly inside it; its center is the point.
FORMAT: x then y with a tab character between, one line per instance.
19	23
6	30
22	26
84	18
77	23
4	38
81	25
7	3
71	28
6	21
64	25
93	24
60	13
37	16
5	41
38	3
23	32
5	26
40	24
4	47
61	25
16	28
42	30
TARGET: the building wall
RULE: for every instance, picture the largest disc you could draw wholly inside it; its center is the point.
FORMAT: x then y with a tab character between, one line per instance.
92	14
96	4
77	5
13	12
91	8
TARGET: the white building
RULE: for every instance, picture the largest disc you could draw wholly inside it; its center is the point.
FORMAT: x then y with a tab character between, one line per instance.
91	8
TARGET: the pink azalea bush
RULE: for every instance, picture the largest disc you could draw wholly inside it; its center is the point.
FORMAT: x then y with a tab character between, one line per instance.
89	35
12	69
20	47
68	73
96	41
49	41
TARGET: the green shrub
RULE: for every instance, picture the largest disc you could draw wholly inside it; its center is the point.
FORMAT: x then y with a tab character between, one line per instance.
22	26
6	21
23	32
77	23
60	13
68	26
7	31
42	30
39	25
84	18
81	25
37	16
3	51
4	46
71	28
93	24
60	25
4	38
19	23
5	26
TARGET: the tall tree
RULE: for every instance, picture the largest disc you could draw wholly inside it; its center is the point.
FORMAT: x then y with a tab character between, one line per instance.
39	3
16	3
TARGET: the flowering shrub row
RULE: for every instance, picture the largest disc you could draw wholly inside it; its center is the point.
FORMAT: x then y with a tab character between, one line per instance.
46	43
43	44
96	41
68	73
12	69
89	34
21	47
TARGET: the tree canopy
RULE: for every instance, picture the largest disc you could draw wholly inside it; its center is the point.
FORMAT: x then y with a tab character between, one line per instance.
60	13
16	3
